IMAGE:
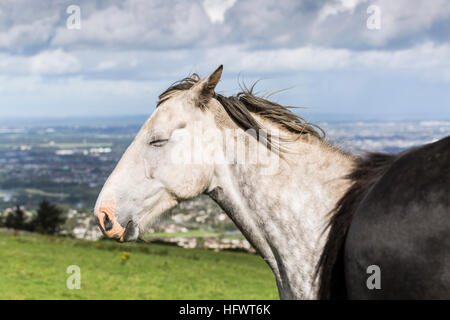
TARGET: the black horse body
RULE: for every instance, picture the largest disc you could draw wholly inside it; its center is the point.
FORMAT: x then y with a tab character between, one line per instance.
396	217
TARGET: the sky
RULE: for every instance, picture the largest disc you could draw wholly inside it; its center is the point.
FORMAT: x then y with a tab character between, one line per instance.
114	57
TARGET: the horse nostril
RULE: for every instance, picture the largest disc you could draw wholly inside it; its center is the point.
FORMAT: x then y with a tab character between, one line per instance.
107	223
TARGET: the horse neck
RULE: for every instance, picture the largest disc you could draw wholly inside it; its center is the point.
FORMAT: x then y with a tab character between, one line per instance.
283	215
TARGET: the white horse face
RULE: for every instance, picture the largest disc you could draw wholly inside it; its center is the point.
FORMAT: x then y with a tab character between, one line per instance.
151	177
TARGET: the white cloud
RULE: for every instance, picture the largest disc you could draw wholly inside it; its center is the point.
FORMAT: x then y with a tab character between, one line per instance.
216	9
161	24
427	57
401	19
138	24
106	65
335	8
37	85
27	34
54	62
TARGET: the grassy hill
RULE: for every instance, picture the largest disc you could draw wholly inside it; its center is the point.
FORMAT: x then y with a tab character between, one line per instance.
34	267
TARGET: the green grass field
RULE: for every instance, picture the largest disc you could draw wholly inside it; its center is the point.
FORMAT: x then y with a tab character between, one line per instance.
34	267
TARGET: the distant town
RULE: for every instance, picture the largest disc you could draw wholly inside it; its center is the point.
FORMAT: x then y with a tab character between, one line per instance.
67	163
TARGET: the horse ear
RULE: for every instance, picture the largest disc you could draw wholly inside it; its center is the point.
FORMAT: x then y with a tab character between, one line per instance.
195	77
203	91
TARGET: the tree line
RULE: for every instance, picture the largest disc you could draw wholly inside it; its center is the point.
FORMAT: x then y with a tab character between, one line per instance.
48	219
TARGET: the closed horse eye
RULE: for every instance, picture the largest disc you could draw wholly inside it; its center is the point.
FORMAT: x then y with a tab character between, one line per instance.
158	142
